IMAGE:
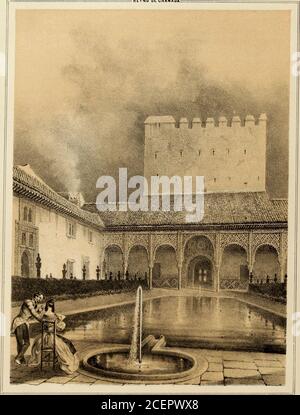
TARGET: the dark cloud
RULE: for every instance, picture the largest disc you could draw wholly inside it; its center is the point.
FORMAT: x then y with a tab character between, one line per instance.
115	86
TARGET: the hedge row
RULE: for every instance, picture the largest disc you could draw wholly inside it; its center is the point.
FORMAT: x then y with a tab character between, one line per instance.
275	290
23	288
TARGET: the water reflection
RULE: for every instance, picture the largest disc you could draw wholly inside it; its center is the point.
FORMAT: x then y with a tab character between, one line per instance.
202	319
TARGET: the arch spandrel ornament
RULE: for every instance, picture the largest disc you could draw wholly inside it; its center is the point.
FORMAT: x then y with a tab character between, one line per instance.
111	239
260	239
136	239
234	238
199	244
188	236
164	239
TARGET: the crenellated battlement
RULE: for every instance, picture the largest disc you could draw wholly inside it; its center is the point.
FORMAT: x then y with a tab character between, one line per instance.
169	122
229	153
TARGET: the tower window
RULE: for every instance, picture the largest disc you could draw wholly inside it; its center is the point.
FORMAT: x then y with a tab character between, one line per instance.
31	240
213	151
181	152
23	238
215	180
258	178
155	155
199	152
29	215
228	151
245	152
229	178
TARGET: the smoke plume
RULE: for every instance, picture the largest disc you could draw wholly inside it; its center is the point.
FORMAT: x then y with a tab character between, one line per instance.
108	90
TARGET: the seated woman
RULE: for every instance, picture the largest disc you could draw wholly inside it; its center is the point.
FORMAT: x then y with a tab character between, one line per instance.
65	350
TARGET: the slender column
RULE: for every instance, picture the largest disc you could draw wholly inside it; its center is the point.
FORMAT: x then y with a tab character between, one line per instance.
150	259
179	276
125	267
250	254
125	254
281	269
150	277
179	258
283	257
217	278
217	262
101	264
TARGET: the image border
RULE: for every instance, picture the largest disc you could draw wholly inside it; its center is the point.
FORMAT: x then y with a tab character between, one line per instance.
6	180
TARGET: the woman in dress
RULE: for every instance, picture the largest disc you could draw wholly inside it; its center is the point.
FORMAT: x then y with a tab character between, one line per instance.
65	350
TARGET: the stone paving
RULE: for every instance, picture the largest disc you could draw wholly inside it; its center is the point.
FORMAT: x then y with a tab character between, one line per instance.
224	368
241	368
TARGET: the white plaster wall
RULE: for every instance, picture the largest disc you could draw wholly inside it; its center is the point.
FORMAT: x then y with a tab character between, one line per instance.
15	217
233	170
55	247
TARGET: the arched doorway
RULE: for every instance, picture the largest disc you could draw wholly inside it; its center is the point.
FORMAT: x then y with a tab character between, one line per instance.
25	266
266	263
200	273
113	268
234	271
138	267
165	272
198	248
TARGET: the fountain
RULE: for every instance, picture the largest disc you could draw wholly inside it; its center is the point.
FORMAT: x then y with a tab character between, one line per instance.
143	361
135	355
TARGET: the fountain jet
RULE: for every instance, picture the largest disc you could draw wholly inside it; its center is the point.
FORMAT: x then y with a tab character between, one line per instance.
135	354
159	364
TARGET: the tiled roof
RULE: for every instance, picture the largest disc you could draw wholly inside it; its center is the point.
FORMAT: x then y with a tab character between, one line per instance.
31	186
219	209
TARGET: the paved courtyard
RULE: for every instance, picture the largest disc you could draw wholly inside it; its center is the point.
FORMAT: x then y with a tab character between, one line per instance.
223	367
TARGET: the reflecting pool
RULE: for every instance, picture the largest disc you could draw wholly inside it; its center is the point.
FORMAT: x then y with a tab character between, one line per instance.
187	321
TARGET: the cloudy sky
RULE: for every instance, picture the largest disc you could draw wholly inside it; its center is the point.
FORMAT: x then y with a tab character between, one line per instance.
86	80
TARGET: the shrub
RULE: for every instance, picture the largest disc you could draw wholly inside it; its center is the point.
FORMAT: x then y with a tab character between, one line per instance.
274	290
25	287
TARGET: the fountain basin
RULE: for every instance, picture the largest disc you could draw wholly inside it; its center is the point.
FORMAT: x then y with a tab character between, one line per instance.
158	366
